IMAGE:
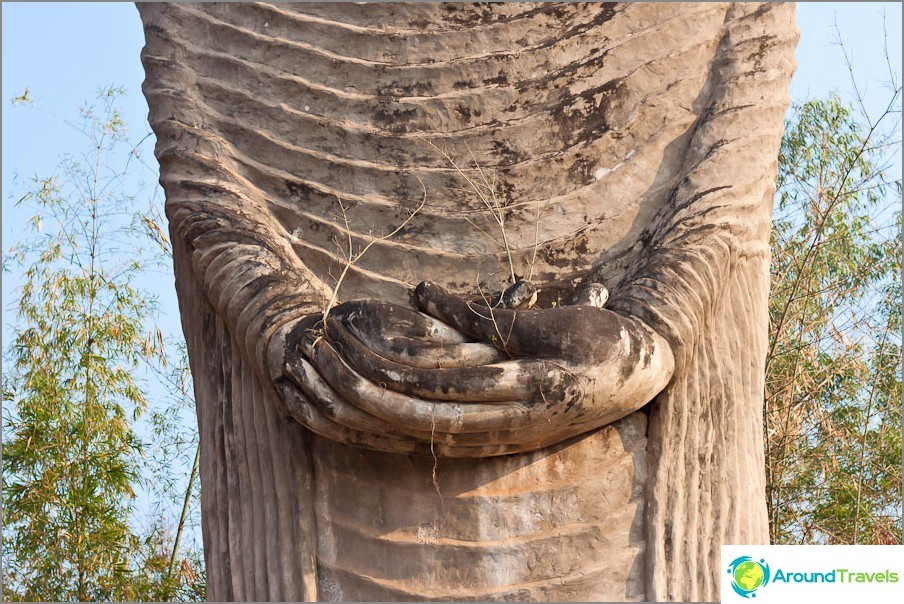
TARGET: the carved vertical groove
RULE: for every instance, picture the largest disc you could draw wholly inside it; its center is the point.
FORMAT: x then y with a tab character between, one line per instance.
704	286
258	528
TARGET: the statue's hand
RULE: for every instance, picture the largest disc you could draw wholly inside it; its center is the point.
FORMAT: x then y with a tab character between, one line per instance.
389	377
618	362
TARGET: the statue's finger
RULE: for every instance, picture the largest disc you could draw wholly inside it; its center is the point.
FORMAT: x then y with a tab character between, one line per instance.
430	355
410	337
499	382
317	405
385	320
473	320
436	444
414	413
333	406
312	417
582	336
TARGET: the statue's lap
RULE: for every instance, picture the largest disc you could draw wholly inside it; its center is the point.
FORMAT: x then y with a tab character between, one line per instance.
563	523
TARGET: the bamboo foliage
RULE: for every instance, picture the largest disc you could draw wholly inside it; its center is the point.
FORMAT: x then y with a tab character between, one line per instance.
72	387
833	389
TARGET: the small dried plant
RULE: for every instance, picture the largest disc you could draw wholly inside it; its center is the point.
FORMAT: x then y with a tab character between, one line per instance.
352	257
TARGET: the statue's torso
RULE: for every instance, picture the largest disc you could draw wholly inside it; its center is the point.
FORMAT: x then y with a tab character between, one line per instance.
557	108
549	111
580	116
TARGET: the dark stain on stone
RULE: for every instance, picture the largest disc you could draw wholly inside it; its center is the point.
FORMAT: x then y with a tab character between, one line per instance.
759	12
299	191
555	258
565	255
394	117
499	80
509	154
156	31
584	117
464	111
579	243
505	189
763	43
421	23
398	89
632	359
694	198
580	171
403	193
484	13
512	108
470	14
592	62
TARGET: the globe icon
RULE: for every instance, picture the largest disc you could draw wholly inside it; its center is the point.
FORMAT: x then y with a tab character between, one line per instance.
748	575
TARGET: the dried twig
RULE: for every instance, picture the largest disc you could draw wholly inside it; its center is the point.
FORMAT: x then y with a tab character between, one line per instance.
352	257
486	191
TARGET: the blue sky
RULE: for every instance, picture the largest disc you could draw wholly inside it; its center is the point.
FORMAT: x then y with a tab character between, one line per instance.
65	52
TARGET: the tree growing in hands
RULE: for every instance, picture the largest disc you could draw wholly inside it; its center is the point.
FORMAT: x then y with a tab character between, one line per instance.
71	385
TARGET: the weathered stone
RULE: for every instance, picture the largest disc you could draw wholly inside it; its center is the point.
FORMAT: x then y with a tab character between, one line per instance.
470	451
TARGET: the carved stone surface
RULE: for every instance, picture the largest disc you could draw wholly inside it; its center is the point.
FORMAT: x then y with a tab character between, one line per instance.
499	528
565	452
